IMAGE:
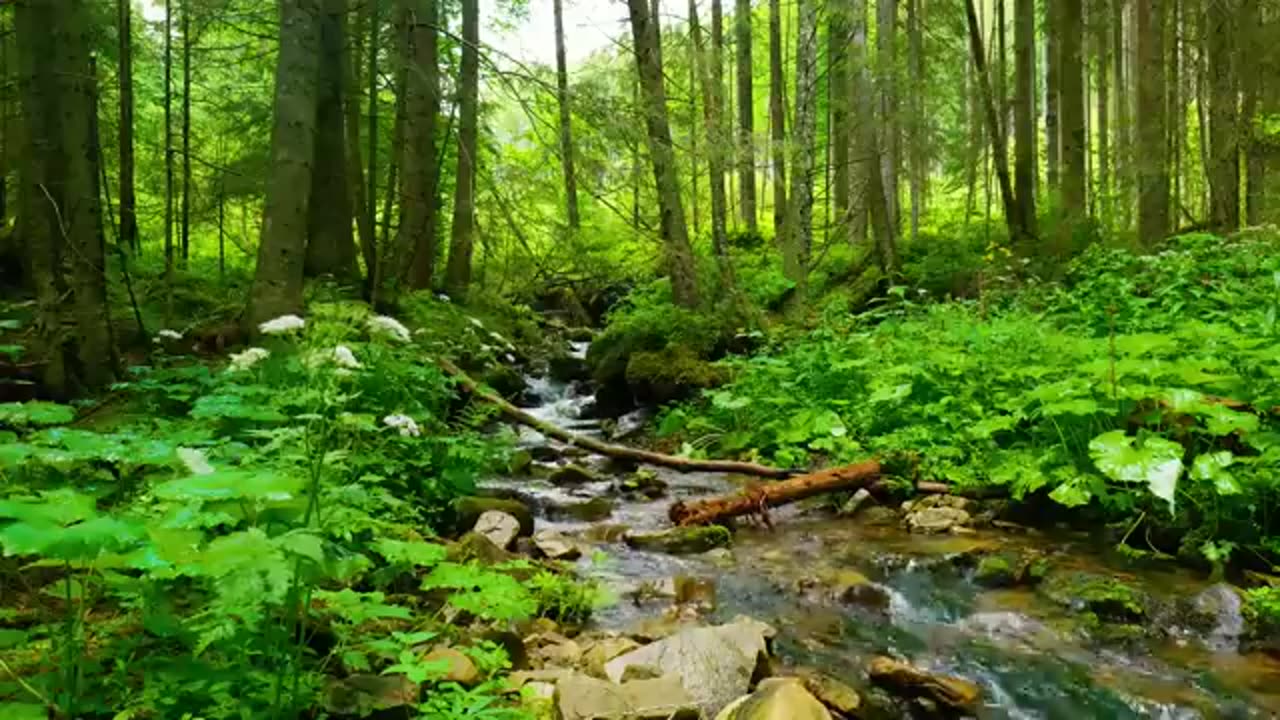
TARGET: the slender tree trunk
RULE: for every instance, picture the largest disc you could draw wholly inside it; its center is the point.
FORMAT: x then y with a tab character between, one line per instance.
330	247
361	199
376	270
1178	99
419	186
1052	81
777	123
919	120
1101	40
839	87
860	98
277	281
168	164
712	103
890	125
1071	103
463	229
1152	167
1024	126
1012	213
675	233
1121	131
746	115
864	144
1224	138
800	209
186	132
1251	86
128	197
566	131
695	160
1000	74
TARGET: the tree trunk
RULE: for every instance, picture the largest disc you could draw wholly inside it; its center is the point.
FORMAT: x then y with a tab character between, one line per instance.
757	500
330	247
1101	41
1224	137
415	257
712	103
168	164
862	156
1074	139
1150	160
376	269
838	101
675	233
463	230
777	123
800	208
128	198
186	132
919	114
361	198
887	64
277	281
746	115
1052	71
1121	129
1024	126
1012	213
566	131
1251	86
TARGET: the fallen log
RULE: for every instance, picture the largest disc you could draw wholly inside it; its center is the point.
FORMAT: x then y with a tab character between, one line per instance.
598	446
756	500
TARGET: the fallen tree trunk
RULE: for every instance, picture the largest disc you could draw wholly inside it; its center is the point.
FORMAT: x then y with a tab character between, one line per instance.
615	451
758	499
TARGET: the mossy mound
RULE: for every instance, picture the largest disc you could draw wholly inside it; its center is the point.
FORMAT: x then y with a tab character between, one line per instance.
672	374
1107	598
466	510
681	540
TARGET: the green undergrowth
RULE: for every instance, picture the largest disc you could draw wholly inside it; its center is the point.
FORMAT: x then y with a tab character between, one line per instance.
258	539
1141	390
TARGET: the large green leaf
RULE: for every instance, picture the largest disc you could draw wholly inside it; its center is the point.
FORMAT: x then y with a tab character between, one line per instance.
35	413
1155	461
268	485
1212	467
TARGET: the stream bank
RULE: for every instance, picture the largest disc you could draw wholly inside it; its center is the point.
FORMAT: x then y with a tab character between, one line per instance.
1042	624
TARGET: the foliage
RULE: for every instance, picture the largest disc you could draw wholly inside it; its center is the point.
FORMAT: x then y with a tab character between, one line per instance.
1139	388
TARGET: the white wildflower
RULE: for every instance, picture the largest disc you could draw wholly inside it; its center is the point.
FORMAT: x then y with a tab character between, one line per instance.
195	461
510	358
442	297
406	425
499	338
249	358
388	327
281	325
476	322
168	334
344	358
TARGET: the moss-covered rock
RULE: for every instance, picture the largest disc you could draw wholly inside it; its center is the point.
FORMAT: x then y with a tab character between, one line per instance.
573	474
668	375
681	540
505	380
1107	598
999	570
593	510
467	510
645	483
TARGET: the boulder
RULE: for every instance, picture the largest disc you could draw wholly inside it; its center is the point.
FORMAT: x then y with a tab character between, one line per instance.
953	693
573	474
854	588
567	368
1009	569
505	380
606	532
714	664
467	510
878	515
580	697
593	510
500	528
364	694
937	513
1107	598
777	699
644	483
835	694
556	545
477	547
458	667
856	502
597	653
681	540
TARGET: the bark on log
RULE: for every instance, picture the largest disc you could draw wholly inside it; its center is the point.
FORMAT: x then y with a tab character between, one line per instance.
616	451
758	499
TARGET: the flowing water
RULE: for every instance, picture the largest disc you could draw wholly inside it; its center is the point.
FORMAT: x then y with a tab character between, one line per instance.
1034	658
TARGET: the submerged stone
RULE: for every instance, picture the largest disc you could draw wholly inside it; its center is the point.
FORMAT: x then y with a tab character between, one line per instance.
580	697
953	693
593	510
574	474
556	545
777	699
501	528
681	540
1107	598
467	510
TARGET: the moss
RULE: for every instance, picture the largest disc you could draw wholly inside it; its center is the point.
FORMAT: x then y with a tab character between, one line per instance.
682	540
673	366
1108	598
467	510
999	570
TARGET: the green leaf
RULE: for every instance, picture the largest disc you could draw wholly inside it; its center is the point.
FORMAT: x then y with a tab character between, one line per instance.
267	485
1077	406
1072	493
36	413
414	553
890	393
1155	461
1212	467
23	711
303	544
13	352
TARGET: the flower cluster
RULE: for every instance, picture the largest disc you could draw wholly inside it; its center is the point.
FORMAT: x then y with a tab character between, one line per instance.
281	325
248	358
167	334
408	428
388	327
344	358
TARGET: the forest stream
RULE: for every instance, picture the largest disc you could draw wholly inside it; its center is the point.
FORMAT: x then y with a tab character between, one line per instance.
842	590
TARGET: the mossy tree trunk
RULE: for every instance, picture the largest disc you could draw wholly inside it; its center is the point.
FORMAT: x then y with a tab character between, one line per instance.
463	230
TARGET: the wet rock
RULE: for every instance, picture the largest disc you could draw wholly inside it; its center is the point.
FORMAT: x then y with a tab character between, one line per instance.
505	380
364	694
459	667
606	532
477	547
553	650
777	699
593	510
1107	598
500	528
556	545
597	653
700	592
574	474
644	483
861	592
953	693
855	503
519	462
580	697
1215	616
467	510
681	540
568	368
714	664
937	513
719	556
879	515
836	695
